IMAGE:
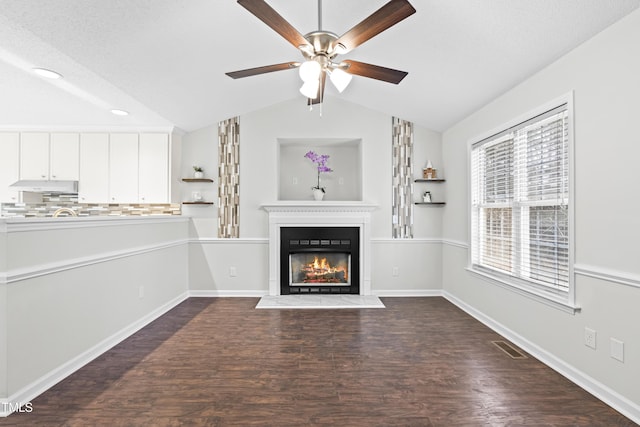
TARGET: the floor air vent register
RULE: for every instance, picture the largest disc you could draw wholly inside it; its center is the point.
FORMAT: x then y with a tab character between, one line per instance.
511	351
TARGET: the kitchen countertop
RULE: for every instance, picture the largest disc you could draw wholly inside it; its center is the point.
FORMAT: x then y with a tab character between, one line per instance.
40	223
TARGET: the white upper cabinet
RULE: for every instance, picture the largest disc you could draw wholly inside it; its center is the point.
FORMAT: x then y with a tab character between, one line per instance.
153	171
93	186
9	161
123	168
64	155
45	156
109	167
34	156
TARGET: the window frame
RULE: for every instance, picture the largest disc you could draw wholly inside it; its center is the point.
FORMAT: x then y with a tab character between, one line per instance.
562	299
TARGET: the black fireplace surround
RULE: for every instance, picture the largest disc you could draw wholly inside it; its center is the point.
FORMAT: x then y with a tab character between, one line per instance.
330	242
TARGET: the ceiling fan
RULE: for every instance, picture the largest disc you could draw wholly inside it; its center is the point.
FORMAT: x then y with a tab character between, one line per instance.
320	48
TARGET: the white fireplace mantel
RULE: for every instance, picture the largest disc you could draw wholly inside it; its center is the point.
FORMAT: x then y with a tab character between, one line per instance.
319	214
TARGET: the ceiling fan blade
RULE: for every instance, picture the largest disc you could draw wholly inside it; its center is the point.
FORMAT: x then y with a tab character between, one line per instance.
269	16
262	70
385	17
320	96
374	71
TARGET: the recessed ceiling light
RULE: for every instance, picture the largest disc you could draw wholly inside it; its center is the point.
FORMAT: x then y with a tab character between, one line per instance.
43	72
120	112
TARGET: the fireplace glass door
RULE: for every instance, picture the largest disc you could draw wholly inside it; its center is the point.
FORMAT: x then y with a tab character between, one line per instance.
330	269
319	260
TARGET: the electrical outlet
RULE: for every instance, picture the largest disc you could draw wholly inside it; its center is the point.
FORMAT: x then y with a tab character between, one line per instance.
341	181
590	338
395	271
141	291
617	349
233	272
294	181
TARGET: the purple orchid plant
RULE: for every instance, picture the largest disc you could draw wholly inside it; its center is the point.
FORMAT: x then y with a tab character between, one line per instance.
321	165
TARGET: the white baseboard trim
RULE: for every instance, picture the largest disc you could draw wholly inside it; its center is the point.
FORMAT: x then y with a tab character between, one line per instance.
407	292
599	390
228	293
31	391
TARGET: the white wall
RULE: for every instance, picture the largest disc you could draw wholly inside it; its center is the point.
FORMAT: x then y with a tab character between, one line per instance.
200	148
295	177
260	130
417	264
72	288
604	75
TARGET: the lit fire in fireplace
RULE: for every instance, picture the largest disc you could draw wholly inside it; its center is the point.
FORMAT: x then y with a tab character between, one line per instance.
321	271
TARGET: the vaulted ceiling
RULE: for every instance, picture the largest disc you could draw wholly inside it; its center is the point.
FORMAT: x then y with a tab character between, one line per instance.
164	61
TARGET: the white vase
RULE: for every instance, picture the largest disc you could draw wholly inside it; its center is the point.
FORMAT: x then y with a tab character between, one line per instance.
318	194
198	175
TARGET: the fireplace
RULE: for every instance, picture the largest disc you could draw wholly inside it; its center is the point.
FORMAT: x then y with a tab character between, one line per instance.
319	260
312	215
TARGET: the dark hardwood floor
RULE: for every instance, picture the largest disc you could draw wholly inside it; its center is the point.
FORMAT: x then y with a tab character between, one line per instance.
219	362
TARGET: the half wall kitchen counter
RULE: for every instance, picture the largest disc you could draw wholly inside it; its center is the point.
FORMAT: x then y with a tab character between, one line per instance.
72	287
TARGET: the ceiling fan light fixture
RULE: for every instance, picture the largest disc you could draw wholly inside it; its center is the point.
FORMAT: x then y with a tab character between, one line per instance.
310	71
310	89
340	79
340	49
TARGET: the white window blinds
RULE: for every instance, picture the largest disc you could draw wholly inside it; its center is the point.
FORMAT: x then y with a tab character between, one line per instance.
520	202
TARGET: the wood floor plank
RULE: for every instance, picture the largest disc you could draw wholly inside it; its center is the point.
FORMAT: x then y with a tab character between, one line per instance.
220	362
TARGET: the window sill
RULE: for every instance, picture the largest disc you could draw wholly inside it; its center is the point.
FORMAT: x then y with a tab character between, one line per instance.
548	299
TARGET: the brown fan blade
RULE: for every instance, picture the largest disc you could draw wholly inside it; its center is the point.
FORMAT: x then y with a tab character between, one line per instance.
320	96
269	16
262	70
385	17
375	72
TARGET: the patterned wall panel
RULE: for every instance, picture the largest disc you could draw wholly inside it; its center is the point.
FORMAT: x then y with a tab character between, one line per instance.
402	169
50	203
229	178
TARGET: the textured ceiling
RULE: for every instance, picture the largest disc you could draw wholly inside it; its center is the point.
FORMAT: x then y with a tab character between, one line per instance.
164	60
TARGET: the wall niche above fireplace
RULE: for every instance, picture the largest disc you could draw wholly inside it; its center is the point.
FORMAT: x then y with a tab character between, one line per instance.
298	174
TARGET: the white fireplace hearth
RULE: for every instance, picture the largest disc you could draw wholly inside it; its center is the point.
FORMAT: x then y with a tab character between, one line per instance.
319	214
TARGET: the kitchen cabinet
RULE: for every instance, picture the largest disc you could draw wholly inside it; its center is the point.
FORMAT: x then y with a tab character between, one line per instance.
123	168
93	186
34	156
9	161
45	156
64	155
153	168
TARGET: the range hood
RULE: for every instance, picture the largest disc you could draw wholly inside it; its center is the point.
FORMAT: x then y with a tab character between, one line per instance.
45	186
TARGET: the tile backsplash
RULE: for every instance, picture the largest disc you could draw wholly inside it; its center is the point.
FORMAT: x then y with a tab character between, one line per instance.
49	202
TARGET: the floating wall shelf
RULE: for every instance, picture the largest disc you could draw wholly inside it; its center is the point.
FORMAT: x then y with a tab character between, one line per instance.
197	203
434	180
197	180
429	180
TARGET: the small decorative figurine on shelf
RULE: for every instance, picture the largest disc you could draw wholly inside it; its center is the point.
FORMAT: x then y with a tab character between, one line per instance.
429	172
426	197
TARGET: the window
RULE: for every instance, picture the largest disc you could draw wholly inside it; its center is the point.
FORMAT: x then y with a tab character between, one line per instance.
520	204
